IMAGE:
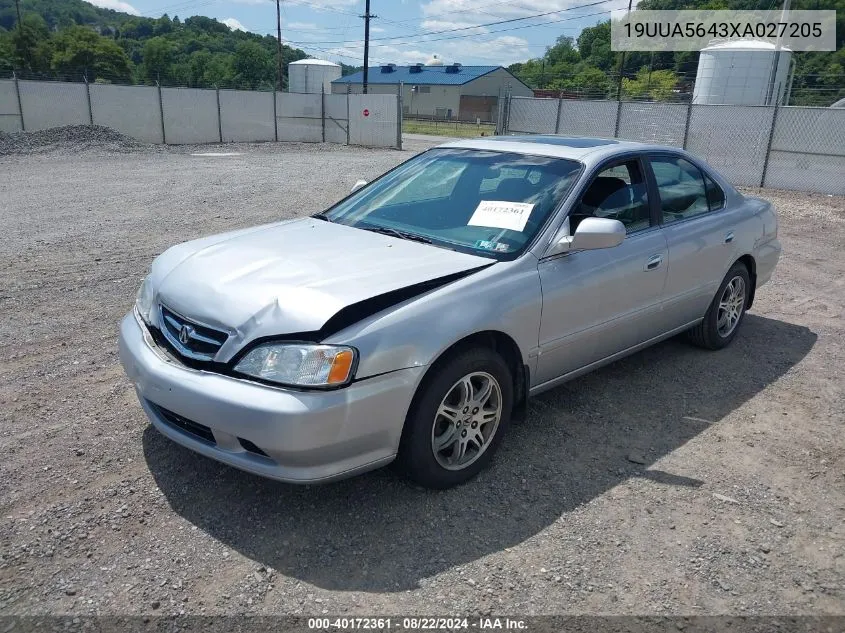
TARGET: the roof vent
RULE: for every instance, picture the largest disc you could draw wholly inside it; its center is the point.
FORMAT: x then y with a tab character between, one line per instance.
453	68
388	68
415	68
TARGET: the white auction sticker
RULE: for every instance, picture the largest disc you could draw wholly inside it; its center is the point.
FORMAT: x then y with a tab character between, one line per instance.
501	214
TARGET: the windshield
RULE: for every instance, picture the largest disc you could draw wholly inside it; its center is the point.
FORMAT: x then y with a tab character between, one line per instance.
487	203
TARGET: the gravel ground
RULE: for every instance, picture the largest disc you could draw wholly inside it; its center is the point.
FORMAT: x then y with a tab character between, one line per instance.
676	481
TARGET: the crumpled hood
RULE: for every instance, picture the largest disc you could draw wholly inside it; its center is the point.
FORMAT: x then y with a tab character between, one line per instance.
293	276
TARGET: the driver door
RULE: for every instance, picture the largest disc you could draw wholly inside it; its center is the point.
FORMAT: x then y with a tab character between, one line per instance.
600	302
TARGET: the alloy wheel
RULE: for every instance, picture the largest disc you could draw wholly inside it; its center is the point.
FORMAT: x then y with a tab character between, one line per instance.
731	304
466	420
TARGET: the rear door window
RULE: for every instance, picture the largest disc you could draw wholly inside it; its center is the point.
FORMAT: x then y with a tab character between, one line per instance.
680	187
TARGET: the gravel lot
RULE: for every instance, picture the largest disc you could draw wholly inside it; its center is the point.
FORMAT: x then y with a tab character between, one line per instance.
676	481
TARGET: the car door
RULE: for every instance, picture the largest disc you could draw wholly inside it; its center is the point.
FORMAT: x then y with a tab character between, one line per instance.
699	232
600	302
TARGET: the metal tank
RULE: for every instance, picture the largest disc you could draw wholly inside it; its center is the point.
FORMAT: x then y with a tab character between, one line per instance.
312	76
739	73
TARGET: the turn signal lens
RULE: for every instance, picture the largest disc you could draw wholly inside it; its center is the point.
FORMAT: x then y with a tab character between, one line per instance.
341	367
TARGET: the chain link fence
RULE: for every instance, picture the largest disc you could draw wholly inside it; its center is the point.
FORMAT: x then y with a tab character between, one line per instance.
789	147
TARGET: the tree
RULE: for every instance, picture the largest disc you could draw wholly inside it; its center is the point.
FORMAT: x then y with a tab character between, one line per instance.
253	66
656	85
28	44
79	51
158	57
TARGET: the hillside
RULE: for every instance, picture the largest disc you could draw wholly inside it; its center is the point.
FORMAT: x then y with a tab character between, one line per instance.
66	39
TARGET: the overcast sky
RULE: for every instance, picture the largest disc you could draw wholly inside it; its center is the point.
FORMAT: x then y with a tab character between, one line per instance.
405	31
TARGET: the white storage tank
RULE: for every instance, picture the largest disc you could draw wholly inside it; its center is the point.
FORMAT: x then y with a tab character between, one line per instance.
738	73
312	75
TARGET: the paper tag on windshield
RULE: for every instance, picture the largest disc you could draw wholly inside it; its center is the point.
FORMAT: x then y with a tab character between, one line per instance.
501	214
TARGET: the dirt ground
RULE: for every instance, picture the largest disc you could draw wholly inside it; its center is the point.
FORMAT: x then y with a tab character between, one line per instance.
677	481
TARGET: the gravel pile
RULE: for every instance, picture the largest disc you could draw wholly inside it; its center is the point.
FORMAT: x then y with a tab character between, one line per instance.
72	138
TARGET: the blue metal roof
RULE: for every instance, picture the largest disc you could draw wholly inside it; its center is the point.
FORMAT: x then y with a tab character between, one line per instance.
429	75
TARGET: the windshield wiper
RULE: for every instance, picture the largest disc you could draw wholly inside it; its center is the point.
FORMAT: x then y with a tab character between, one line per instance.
321	216
384	230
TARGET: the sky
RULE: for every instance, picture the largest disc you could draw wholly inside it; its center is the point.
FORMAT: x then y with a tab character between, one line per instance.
491	32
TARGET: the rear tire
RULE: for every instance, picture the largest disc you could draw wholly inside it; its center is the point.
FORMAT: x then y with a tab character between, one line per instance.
726	312
457	420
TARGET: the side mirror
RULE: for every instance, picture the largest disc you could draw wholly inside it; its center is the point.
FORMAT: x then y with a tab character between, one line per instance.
358	185
591	234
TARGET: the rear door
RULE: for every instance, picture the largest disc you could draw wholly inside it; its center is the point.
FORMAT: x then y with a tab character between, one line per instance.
700	233
599	302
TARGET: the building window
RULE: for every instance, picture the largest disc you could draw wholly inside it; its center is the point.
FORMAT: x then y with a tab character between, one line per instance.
425	89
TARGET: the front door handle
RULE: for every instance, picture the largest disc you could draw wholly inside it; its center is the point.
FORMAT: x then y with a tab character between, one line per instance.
729	237
654	262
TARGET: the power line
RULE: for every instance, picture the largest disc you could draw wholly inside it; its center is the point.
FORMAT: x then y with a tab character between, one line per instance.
475	26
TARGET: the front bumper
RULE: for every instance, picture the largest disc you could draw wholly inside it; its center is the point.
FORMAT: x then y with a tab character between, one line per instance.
305	436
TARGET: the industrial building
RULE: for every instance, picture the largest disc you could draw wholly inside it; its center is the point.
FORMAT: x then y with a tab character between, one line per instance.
439	91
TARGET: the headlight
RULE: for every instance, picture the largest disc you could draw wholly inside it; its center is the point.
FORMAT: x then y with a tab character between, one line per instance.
144	300
300	364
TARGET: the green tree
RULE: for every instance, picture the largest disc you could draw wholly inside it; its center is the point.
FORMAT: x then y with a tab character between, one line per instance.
656	85
253	66
30	41
158	56
79	50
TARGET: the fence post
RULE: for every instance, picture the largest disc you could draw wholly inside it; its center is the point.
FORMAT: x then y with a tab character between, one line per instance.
769	146
618	118
88	96
161	113
348	120
323	109
557	119
686	125
219	118
275	117
20	105
506	125
399	118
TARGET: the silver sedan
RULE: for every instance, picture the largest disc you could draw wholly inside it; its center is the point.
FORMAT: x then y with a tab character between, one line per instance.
410	322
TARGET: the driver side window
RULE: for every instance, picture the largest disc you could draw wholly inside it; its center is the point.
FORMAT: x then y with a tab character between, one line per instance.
619	193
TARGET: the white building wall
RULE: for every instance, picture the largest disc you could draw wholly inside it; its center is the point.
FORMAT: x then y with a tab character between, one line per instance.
490	84
442	98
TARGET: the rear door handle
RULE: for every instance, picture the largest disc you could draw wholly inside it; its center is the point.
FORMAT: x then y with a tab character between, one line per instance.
654	262
729	237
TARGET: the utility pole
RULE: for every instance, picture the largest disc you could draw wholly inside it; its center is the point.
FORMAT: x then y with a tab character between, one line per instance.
367	17
279	38
18	7
622	67
773	92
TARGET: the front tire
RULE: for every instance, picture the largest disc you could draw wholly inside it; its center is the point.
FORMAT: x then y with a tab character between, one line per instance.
726	312
457	420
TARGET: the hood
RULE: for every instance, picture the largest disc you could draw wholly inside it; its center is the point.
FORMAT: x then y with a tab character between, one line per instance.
292	277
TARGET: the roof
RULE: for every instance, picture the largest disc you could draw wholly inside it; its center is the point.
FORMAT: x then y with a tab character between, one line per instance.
313	62
575	148
429	75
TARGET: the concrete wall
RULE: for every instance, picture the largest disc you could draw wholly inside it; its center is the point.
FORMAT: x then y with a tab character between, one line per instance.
807	144
246	116
132	110
53	104
10	118
190	115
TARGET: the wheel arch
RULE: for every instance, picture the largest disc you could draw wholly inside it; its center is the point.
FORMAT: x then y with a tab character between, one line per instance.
501	343
751	265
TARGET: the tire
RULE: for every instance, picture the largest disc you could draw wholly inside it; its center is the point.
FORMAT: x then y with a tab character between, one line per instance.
712	333
441	407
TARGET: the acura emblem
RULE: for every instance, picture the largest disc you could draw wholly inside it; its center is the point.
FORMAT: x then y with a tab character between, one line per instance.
186	333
